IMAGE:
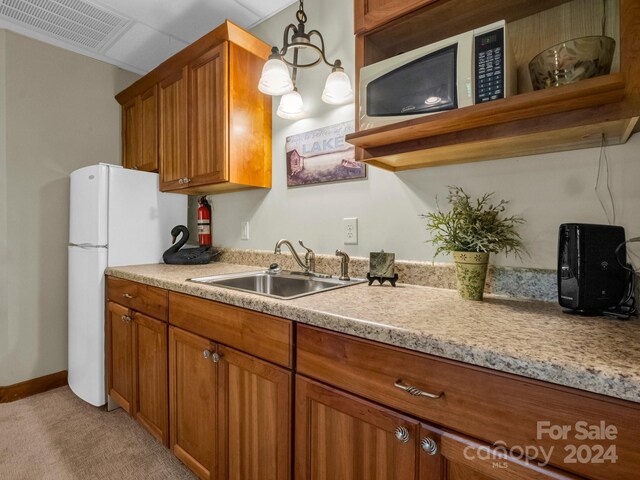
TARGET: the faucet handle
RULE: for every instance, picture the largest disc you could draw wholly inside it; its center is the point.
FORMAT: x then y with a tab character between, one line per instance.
309	251
340	253
344	265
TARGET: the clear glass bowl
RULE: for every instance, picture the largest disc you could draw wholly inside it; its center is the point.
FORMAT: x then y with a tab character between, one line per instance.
572	61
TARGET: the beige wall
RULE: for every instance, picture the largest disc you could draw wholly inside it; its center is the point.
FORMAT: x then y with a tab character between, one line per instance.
546	189
60	116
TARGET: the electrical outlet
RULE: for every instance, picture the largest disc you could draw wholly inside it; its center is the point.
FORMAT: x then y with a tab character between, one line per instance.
350	231
244	231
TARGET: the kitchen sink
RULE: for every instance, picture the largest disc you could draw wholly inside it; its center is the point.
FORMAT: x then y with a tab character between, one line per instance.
284	285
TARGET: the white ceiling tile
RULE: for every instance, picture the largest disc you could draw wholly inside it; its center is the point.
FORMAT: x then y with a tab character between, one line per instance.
265	8
160	28
144	47
185	19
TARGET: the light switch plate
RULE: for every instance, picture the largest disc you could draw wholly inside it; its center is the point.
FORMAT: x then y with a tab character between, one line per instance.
350	231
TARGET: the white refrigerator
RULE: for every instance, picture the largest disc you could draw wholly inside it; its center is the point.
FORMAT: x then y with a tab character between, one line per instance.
117	217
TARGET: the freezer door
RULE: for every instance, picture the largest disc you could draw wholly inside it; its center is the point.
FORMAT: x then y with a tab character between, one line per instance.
141	217
86	323
88	205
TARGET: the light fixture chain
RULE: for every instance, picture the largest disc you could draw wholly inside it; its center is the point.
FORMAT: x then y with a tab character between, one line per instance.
300	15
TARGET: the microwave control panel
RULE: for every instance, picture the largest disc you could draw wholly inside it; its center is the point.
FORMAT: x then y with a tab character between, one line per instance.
489	66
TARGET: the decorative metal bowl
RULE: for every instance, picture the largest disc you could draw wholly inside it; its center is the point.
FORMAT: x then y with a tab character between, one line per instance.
572	61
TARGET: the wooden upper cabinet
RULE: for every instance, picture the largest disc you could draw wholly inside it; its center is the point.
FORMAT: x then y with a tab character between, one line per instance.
174	162
131	129
369	14
140	132
149	130
556	119
208	76
213	125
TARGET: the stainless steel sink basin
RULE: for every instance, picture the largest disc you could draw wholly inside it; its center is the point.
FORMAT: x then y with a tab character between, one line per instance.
285	285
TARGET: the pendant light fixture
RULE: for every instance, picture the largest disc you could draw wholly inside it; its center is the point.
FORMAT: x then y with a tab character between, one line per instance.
275	79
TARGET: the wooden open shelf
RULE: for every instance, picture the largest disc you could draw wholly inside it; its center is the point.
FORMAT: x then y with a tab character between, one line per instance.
588	93
563	118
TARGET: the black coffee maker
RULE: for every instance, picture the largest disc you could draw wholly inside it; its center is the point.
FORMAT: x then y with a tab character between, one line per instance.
593	275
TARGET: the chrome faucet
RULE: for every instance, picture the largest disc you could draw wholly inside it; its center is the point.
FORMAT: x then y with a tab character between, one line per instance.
309	264
344	265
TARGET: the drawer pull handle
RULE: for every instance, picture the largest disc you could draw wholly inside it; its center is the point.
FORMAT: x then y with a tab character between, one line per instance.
429	446
416	391
126	318
402	434
127	295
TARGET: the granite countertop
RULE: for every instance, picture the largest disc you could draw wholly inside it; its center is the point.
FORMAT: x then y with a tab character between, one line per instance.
524	337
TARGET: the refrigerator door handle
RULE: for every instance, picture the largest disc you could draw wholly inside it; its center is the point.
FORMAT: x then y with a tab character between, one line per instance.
87	245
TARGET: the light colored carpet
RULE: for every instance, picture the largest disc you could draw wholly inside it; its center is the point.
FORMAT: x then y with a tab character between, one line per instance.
57	436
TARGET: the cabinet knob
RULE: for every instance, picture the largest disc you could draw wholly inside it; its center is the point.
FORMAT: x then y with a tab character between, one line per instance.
429	446
127	295
126	318
215	357
206	353
402	434
181	181
187	180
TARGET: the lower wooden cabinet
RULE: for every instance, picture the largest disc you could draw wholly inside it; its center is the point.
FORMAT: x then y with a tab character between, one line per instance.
230	412
193	399
120	359
451	456
216	384
150	405
339	436
137	367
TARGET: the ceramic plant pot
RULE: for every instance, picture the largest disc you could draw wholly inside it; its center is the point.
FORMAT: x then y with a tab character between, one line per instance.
471	272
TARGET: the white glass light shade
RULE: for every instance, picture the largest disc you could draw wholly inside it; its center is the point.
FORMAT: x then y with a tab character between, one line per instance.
337	90
291	106
275	78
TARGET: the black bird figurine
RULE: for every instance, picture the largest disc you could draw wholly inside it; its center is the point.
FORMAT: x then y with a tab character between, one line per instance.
188	256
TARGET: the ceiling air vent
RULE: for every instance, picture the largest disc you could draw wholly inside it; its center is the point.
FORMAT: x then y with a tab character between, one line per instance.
74	21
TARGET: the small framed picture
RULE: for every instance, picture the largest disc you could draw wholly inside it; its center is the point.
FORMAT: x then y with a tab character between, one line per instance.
322	156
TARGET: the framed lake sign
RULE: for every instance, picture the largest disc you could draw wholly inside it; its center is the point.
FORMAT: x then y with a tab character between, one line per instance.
322	156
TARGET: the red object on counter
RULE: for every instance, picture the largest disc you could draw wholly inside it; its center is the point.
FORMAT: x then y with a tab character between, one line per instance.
204	222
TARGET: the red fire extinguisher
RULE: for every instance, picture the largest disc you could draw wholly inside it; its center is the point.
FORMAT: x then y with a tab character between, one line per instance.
204	222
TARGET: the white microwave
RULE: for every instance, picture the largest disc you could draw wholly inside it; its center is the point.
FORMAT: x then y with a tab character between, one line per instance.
470	68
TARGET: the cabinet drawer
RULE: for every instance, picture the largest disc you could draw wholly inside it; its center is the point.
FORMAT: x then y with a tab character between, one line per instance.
145	299
255	333
489	405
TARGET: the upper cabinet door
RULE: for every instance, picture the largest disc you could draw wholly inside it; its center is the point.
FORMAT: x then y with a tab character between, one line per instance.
341	436
131	126
208	78
173	131
373	13
148	160
140	132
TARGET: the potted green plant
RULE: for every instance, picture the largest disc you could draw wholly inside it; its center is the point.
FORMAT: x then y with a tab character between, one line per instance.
472	230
